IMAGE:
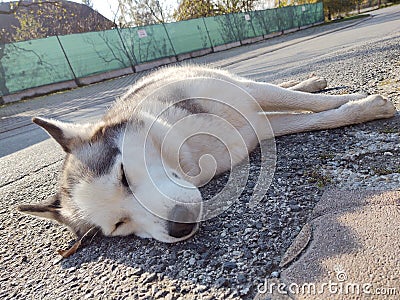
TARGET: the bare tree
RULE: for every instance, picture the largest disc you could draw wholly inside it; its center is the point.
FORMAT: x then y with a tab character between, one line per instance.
190	9
333	8
143	12
88	3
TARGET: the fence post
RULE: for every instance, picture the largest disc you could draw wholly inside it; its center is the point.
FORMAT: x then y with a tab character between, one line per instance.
69	63
251	23
235	33
208	33
261	20
279	19
170	41
126	51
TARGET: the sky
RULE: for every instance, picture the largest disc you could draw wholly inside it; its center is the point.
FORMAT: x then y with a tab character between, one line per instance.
108	8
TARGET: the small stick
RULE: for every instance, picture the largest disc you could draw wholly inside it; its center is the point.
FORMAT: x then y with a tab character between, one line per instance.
67	253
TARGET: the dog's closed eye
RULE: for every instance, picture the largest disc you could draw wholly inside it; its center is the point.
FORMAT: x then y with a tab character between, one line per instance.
118	224
175	175
124	181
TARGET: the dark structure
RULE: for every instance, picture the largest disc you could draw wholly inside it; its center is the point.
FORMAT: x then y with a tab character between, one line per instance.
49	17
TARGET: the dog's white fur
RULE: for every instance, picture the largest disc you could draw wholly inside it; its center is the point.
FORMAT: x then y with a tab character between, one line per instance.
151	142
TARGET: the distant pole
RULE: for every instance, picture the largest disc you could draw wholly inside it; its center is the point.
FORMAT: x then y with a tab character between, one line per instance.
208	33
68	61
341	8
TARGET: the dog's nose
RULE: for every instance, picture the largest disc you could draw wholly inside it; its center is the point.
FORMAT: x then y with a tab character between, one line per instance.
180	230
186	224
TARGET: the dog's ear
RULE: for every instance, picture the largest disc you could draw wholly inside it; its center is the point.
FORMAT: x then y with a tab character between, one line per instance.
66	134
50	209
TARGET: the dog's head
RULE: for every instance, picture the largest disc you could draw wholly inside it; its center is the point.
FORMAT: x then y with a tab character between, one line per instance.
98	188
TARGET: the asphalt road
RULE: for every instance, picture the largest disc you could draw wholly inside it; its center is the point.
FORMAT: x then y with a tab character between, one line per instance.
30	161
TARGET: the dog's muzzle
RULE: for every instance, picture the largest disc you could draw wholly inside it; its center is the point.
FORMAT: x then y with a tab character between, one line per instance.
187	222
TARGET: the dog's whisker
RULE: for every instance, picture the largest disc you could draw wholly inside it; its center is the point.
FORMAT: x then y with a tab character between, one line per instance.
91	240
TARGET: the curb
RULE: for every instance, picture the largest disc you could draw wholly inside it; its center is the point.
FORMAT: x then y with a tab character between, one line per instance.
343	238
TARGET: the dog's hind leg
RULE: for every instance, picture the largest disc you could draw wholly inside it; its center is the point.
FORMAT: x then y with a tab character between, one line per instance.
288	84
354	112
274	98
311	85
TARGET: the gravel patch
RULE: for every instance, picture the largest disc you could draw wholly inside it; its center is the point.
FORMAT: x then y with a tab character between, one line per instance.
366	155
234	252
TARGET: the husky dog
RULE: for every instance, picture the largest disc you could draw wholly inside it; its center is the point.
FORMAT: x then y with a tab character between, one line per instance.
138	169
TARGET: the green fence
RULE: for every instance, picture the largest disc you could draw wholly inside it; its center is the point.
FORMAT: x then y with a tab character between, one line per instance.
56	59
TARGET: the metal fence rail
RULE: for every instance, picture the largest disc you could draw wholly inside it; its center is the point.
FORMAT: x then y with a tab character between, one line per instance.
40	62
